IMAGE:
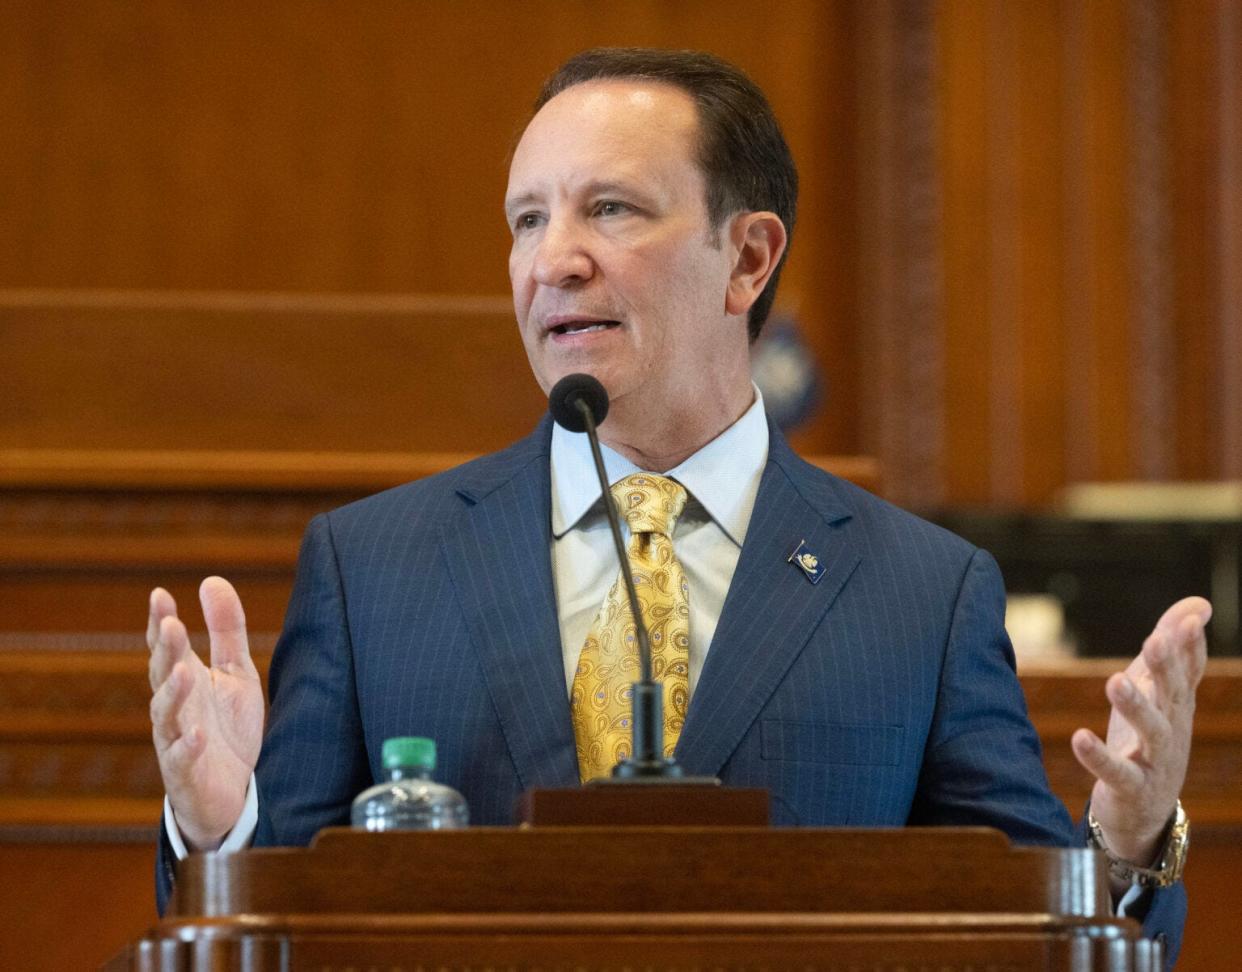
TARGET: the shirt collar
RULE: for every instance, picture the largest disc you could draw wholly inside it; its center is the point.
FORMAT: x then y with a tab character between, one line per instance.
723	476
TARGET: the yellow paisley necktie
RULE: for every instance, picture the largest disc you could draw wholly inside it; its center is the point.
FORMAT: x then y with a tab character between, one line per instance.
608	666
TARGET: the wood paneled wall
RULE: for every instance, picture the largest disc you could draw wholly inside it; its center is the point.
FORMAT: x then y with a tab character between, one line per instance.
1018	262
333	148
1061	206
174	371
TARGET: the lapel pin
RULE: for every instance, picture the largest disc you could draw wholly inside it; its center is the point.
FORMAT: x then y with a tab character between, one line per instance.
807	562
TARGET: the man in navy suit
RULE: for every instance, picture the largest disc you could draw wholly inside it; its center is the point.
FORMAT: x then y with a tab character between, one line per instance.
651	199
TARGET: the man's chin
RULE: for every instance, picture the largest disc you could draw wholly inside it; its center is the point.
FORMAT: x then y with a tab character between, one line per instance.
605	376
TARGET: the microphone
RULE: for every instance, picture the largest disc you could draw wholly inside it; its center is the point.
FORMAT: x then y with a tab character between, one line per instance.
579	403
572	392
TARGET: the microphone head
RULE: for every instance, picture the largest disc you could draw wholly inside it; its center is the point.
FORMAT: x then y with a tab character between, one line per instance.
566	393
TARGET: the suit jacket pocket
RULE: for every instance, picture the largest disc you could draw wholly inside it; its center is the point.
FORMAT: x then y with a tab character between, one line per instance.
829	742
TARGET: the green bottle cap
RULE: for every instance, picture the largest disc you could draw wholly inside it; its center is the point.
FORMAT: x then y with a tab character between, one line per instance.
409	751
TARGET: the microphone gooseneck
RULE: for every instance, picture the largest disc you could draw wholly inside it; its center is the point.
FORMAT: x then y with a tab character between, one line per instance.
579	403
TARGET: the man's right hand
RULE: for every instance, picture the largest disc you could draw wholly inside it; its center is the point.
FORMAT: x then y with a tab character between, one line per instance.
207	723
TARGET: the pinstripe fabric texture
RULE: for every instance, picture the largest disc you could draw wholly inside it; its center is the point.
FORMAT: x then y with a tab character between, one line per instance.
884	695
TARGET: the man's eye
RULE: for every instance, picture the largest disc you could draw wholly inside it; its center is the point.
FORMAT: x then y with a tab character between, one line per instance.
610	207
526	221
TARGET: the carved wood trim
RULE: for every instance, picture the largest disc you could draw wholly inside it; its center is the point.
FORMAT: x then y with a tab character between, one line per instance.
1229	188
75	743
900	261
241	301
212	469
1152	421
233	471
1064	698
1081	425
1004	259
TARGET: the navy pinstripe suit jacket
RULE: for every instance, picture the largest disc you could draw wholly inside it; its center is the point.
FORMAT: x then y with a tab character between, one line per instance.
883	695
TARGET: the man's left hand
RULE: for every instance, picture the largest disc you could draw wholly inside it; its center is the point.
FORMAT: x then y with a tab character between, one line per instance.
1139	771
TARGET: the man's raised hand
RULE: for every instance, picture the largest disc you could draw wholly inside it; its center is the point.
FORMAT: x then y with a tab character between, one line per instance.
207	723
1140	769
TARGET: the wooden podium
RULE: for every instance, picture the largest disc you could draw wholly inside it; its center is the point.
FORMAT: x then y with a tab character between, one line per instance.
594	898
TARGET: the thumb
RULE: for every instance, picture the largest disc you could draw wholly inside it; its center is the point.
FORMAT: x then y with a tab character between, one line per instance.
226	623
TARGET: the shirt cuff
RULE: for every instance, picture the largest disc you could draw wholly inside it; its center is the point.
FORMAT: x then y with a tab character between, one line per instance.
237	839
1133	893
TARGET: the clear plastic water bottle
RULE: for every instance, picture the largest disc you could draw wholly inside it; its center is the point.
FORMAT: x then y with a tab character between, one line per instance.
410	799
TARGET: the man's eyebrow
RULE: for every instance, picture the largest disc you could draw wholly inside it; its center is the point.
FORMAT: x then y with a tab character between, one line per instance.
603	187
597	186
520	202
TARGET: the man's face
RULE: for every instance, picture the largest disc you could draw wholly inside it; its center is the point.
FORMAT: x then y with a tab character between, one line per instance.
615	268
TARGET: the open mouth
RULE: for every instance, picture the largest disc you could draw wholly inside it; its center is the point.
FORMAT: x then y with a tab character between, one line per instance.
584	327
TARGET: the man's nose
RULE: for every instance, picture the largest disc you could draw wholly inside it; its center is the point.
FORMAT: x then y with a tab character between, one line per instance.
562	258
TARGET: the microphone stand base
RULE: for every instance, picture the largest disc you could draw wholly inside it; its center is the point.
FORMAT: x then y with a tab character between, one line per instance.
646	771
653	779
646	802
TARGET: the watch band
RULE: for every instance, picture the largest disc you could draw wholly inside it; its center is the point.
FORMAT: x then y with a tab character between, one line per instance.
1169	864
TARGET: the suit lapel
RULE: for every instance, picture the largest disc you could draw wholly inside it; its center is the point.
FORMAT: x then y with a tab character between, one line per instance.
771	608
497	550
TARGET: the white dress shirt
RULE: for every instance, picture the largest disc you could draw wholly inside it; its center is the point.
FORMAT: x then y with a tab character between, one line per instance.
721	480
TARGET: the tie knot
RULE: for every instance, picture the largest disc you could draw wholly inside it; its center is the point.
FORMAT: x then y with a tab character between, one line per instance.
649	504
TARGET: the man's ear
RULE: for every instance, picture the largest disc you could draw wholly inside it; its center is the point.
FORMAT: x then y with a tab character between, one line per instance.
757	240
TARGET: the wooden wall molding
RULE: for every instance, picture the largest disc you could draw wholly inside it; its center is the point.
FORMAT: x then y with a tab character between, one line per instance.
86	534
1153	424
82	834
1229	250
75	734
48	644
1064	698
74	726
263	372
1081	430
43	471
1004	117
260	302
232	469
901	312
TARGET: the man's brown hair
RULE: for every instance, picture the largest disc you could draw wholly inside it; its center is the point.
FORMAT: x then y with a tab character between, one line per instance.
746	164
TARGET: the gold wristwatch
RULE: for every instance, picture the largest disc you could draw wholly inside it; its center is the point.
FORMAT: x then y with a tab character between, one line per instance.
1169	865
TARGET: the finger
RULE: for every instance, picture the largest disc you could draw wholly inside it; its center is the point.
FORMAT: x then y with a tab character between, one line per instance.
1171	620
178	759
1183	626
1168	675
167	706
172	644
1191	644
226	623
1121	774
160	605
1176	660
1149	723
